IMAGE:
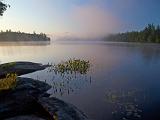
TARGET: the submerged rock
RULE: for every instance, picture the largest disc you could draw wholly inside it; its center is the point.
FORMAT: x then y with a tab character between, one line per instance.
20	68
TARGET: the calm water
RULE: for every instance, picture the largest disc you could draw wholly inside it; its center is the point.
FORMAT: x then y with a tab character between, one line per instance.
123	82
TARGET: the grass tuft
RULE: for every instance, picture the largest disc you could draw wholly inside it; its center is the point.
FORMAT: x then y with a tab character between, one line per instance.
9	82
72	65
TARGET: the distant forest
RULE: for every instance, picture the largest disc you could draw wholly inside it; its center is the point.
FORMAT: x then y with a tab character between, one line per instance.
20	36
150	34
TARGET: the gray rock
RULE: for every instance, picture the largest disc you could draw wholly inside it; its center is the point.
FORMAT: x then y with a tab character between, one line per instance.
20	68
29	100
60	109
26	117
32	87
22	99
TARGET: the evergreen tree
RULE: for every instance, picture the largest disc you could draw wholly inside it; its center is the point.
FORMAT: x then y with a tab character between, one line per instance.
151	33
3	7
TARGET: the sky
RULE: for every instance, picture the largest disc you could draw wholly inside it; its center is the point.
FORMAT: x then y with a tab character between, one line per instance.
80	17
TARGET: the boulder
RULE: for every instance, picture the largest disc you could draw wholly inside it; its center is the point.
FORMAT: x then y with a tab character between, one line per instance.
26	117
20	68
29	100
61	110
32	87
23	99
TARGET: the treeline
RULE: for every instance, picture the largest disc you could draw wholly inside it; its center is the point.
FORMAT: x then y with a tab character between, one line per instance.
8	35
150	34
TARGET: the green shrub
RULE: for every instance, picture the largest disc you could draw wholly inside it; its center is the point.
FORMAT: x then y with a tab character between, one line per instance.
8	82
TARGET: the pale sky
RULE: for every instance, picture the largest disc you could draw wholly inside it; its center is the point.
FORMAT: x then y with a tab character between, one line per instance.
80	17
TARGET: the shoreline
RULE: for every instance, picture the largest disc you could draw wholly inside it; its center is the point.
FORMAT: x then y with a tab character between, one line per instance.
30	100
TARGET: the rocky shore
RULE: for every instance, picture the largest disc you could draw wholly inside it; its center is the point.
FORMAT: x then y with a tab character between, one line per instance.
29	100
20	68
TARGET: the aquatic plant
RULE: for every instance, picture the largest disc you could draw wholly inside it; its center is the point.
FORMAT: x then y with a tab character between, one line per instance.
8	82
69	76
127	104
72	66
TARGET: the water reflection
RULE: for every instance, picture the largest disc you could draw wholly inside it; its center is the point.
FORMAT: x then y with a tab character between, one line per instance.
72	75
69	84
25	43
118	67
150	54
127	105
65	77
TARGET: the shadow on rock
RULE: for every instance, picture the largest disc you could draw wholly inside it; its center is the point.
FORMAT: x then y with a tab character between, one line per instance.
29	100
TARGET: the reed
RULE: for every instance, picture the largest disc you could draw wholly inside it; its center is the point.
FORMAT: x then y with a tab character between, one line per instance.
72	65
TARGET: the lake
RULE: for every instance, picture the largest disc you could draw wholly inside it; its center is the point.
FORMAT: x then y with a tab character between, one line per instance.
123	81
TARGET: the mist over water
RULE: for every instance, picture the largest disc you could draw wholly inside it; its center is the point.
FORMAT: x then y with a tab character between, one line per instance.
86	67
93	22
